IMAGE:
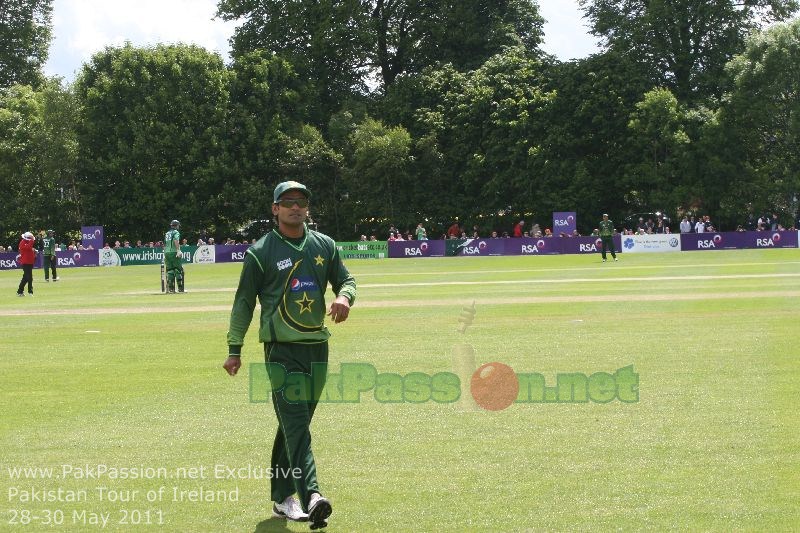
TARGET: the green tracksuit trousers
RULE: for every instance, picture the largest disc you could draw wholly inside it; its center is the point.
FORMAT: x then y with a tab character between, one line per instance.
294	401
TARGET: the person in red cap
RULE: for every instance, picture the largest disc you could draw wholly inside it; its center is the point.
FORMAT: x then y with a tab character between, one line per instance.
27	256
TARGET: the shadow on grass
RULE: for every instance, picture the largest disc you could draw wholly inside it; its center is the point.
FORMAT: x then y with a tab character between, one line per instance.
271	525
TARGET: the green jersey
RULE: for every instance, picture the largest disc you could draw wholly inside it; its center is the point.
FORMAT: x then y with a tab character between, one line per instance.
49	245
169	244
289	278
606	228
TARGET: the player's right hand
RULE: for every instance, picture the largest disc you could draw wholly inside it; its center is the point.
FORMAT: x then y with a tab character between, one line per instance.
232	365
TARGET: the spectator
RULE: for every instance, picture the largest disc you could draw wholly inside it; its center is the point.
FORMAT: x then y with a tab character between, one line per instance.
548	232
693	224
392	237
200	241
127	244
685	227
117	245
699	226
506	235
139	244
536	229
641	225
494	235
775	222
211	241
373	238
518	228
363	238
422	235
575	233
739	228
454	230
399	236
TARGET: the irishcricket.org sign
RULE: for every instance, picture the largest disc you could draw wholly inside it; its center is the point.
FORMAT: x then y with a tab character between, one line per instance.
364	249
92	236
651	243
564	222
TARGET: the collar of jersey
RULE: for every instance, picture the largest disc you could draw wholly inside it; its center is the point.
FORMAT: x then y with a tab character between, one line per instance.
298	247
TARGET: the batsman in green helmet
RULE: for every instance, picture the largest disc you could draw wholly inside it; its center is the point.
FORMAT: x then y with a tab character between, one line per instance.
172	257
288	271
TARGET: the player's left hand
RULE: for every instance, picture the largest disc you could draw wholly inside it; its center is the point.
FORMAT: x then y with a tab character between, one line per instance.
340	309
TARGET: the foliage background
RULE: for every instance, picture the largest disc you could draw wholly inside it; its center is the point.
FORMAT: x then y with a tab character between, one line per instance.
396	112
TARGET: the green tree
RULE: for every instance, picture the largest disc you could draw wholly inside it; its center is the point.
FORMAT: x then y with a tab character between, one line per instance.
326	43
687	42
377	178
151	137
25	31
658	125
477	135
759	125
38	151
410	35
266	103
587	143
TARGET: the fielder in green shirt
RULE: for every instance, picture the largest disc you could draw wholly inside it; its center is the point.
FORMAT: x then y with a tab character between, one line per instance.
50	261
172	257
607	237
288	271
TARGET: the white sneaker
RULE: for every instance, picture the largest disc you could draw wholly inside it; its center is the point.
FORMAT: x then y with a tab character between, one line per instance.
290	509
319	509
615	259
604	260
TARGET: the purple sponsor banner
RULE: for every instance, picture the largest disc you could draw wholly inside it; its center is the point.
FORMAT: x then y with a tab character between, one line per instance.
10	261
78	258
732	240
230	253
92	236
564	222
416	248
475	247
585	245
529	246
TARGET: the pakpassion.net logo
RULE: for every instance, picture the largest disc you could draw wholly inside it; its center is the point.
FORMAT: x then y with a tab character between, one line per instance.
493	386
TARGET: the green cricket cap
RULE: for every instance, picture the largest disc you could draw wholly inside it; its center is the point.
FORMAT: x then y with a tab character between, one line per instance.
290	186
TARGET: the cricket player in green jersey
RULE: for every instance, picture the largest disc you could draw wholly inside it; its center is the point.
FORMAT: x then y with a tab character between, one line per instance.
607	237
288	271
49	253
172	257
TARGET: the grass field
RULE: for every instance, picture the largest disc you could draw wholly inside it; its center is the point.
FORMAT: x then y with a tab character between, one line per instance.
101	369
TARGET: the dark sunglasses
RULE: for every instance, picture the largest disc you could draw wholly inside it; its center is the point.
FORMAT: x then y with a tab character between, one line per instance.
290	202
